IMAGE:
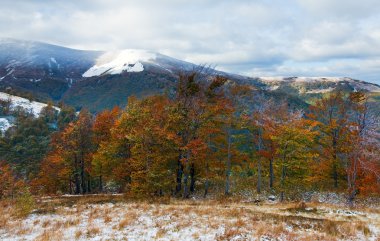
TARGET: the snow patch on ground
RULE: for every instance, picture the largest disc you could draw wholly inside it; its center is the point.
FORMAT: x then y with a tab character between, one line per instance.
317	91
274	87
4	125
30	106
129	60
365	86
303	79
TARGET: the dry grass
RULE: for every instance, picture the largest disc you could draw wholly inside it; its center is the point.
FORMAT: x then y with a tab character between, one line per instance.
160	233
107	219
229	233
71	222
223	219
50	235
128	219
92	231
78	234
45	223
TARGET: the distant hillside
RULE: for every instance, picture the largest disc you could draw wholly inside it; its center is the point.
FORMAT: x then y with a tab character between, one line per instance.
309	88
99	80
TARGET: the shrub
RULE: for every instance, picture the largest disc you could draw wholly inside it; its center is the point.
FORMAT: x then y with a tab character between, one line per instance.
25	203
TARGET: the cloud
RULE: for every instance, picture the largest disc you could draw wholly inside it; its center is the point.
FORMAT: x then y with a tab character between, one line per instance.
307	37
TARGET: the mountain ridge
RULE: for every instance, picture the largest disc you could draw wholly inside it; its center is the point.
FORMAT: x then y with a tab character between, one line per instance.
100	79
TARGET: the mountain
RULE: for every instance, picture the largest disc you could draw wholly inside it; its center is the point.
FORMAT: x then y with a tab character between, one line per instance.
100	79
43	69
309	88
117	75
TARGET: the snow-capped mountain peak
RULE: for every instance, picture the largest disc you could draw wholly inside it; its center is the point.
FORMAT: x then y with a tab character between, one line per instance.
130	60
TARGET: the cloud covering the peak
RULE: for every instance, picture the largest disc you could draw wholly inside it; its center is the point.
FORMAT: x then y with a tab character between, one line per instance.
258	38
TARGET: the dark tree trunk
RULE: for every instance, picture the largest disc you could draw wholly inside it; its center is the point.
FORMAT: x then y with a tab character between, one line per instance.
179	175
77	183
283	174
82	177
260	145
335	174
88	183
76	175
100	184
228	164
70	187
206	188
207	180
271	174
185	186
335	159
259	176
192	178
186	177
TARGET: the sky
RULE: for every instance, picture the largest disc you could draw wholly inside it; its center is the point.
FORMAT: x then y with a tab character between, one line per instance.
339	38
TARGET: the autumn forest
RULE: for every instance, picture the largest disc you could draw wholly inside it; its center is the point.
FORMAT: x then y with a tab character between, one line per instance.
207	138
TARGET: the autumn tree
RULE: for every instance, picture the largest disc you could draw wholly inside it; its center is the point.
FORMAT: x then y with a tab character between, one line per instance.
265	120
148	126
294	139
363	162
332	114
71	155
102	126
8	182
195	93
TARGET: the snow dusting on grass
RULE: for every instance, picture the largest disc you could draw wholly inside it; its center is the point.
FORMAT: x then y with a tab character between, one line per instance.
71	218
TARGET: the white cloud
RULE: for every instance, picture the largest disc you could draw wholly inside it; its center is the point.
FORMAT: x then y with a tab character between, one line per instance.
299	36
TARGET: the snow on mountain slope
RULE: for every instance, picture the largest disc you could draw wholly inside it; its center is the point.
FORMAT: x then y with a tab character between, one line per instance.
24	60
275	82
129	60
304	79
317	91
30	106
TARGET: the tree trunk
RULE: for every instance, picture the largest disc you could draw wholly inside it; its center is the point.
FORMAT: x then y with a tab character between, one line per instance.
259	165
88	183
76	175
271	174
207	181
259	175
206	188
70	186
185	187
82	177
192	178
77	183
351	178
335	174
228	164
179	175
186	177
100	184
282	197
335	160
